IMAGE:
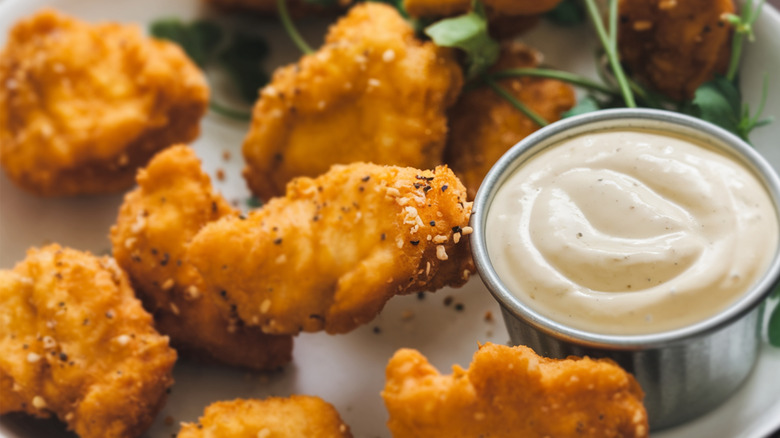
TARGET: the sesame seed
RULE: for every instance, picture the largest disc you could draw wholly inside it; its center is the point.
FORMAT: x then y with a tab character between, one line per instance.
49	342
265	306
167	284
441	253
467	230
38	402
123	340
264	433
440	239
281	259
388	55
33	357
174	309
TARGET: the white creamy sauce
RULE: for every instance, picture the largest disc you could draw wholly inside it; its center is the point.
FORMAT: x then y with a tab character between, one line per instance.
630	232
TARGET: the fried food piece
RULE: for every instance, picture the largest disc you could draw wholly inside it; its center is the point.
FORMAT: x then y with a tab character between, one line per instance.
82	105
675	46
495	8
275	417
372	93
512	392
76	343
156	223
484	125
336	248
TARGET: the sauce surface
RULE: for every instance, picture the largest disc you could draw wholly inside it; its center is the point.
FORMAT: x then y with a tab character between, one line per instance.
630	232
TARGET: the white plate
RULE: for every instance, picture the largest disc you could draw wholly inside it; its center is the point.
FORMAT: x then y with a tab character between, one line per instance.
348	370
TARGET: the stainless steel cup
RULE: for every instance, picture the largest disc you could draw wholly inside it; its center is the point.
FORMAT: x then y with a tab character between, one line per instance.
684	372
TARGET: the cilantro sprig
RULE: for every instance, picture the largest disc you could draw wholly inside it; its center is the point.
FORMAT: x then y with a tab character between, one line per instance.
206	43
774	321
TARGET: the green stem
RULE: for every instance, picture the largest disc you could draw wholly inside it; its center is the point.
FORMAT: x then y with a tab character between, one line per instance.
284	15
244	116
554	74
536	118
610	46
743	26
764	92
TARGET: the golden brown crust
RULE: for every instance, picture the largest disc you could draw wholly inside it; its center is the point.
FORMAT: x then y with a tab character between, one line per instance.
336	248
373	93
675	45
173	202
82	106
76	343
292	417
484	125
511	392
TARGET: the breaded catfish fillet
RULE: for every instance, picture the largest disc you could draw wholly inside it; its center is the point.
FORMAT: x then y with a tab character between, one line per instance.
76	343
483	125
372	93
297	416
156	223
82	105
512	392
336	248
675	46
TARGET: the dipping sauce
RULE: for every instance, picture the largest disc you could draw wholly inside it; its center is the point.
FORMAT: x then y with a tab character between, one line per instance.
630	231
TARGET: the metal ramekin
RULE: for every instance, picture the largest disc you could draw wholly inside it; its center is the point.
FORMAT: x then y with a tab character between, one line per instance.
684	372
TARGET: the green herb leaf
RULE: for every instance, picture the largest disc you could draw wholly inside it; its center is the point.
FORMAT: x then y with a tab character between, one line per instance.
718	101
774	326
585	105
468	32
243	60
198	39
254	202
568	13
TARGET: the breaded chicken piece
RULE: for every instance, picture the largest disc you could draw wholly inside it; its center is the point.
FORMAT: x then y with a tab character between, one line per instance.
82	105
495	8
512	392
675	46
76	343
156	223
372	93
296	416
483	125
329	254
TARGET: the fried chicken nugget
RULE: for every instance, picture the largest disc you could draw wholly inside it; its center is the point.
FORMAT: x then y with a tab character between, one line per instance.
76	343
484	125
293	417
82	105
373	93
675	46
512	392
173	202
336	248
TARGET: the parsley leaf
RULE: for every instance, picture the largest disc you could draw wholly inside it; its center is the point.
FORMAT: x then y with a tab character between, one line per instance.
585	105
468	32
774	326
243	61
718	102
198	39
567	13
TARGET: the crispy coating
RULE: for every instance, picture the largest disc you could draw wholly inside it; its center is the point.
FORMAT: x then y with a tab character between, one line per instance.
76	343
372	93
156	223
292	417
82	105
484	125
675	45
512	392
336	248
495	8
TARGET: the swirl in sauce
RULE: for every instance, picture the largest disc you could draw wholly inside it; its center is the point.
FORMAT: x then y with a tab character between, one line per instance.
630	232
